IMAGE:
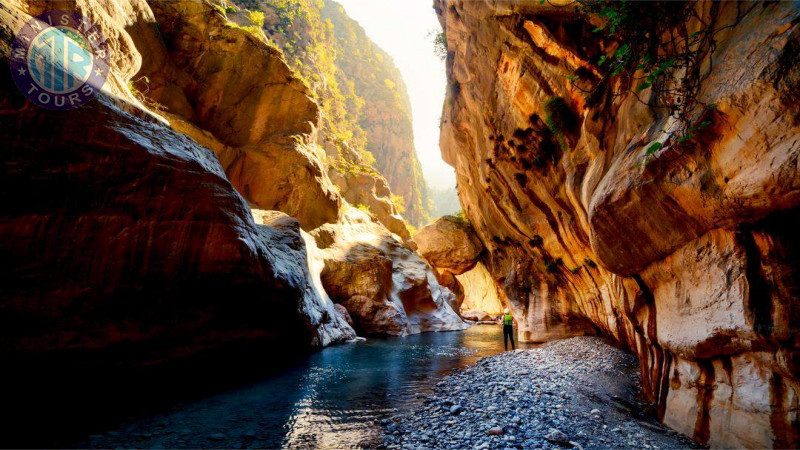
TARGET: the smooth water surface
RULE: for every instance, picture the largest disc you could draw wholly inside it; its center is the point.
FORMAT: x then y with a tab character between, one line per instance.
334	399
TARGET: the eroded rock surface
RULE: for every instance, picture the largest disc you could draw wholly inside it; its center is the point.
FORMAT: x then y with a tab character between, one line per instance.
686	258
481	293
449	244
122	233
233	93
383	284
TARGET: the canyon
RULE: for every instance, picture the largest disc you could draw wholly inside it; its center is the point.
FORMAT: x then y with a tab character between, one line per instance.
175	213
683	254
246	181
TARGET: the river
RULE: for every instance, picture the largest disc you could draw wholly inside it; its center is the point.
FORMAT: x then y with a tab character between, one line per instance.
335	398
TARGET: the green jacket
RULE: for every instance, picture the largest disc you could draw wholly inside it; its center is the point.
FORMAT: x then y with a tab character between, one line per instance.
508	319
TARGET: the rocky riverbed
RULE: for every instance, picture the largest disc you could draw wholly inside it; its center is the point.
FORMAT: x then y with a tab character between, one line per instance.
579	393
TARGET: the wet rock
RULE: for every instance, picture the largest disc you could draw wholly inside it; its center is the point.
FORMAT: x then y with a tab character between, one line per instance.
386	287
578	374
557	436
495	431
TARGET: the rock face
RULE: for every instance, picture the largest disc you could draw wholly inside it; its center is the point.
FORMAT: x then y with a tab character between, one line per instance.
366	114
124	234
241	100
383	284
683	254
104	252
481	293
453	249
386	115
449	244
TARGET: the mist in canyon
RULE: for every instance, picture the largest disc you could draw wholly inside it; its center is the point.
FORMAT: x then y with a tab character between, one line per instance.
379	224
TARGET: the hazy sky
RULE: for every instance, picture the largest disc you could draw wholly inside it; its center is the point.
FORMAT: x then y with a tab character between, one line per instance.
401	27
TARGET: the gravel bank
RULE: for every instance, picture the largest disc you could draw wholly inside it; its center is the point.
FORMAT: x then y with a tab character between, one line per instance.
578	392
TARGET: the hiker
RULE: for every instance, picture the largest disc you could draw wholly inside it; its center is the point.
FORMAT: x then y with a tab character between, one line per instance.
508	329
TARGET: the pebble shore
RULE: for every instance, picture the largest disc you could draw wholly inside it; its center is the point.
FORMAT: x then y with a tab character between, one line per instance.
575	393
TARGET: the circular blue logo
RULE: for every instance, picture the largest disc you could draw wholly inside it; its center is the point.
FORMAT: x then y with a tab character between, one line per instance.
59	60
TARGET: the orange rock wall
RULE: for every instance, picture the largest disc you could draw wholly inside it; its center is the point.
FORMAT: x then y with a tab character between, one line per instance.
688	261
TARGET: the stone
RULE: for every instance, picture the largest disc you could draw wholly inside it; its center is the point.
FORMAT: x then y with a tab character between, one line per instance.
495	431
480	292
449	244
259	119
557	436
456	410
386	288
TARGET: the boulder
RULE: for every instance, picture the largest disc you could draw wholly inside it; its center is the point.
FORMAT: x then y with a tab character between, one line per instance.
386	287
449	244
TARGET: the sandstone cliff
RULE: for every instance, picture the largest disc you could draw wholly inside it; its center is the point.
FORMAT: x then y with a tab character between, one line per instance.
122	235
127	222
386	115
604	208
366	115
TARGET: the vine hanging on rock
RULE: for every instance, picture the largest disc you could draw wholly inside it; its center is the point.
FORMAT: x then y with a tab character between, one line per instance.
663	55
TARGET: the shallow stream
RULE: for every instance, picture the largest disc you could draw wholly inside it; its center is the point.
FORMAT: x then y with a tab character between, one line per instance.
335	398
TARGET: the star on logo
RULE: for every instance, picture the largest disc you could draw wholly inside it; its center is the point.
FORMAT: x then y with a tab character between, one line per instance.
21	71
99	72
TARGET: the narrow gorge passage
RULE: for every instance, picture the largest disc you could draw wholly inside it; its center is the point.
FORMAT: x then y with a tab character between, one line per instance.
339	397
301	224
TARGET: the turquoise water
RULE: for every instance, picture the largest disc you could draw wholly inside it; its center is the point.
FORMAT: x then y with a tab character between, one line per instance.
333	399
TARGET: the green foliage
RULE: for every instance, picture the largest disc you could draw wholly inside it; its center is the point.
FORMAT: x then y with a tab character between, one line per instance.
663	53
459	218
364	208
231	10
253	30
345	71
439	44
412	230
399	203
345	166
654	147
256	18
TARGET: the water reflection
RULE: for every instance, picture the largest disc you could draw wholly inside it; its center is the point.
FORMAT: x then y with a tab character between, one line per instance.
335	399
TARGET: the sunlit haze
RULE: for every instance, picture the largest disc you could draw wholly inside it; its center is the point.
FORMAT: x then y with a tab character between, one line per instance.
401	28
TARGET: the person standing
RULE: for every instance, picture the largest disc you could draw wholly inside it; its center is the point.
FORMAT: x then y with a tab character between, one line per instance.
508	329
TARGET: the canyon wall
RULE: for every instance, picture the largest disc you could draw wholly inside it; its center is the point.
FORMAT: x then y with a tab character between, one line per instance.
123	236
127	223
386	115
684	251
366	115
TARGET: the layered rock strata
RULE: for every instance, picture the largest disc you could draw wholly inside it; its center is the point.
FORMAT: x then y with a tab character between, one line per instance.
685	257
